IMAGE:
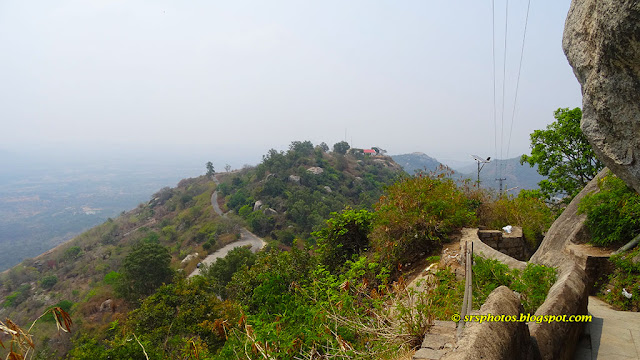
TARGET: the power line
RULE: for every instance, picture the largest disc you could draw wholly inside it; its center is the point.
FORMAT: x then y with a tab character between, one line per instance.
493	57
504	76
515	99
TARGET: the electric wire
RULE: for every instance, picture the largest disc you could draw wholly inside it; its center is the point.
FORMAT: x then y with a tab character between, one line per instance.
493	58
515	99
499	168
504	79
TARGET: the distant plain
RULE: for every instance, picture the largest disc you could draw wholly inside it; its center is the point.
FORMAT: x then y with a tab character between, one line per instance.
46	201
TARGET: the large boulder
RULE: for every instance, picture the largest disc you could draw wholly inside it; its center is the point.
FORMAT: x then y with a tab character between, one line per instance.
493	339
602	43
315	170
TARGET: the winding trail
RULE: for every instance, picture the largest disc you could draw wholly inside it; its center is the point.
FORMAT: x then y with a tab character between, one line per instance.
246	237
214	202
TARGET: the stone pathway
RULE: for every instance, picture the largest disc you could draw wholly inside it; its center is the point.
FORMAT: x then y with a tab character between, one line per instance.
611	334
440	340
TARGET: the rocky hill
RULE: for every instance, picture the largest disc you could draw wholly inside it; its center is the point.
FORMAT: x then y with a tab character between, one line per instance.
417	161
291	193
517	176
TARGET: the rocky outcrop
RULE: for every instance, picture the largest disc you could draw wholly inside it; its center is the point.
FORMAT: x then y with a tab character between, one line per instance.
294	179
496	339
108	305
568	296
568	228
315	170
602	43
189	257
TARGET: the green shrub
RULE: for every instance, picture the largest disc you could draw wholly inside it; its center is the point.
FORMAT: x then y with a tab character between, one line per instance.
345	235
18	296
415	215
626	275
71	253
525	210
112	278
169	231
261	224
613	214
207	232
245	211
221	271
209	244
533	283
48	282
285	237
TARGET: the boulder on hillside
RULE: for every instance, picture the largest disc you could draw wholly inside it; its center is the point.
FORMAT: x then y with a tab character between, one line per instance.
189	258
294	179
108	305
315	170
257	205
602	43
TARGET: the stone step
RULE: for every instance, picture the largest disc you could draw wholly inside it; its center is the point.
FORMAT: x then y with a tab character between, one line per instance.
440	340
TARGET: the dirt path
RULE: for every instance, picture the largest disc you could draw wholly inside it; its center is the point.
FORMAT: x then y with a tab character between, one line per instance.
246	237
214	203
214	198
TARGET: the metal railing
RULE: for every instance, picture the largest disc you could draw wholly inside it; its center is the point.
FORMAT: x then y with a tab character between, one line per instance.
467	302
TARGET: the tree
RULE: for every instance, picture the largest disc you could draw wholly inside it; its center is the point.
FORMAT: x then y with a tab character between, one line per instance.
301	148
323	145
227	168
210	170
564	155
341	148
223	269
143	270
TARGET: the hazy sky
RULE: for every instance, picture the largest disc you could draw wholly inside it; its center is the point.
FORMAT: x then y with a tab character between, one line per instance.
214	76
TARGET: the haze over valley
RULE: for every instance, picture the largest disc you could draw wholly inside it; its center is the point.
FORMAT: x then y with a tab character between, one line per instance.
47	198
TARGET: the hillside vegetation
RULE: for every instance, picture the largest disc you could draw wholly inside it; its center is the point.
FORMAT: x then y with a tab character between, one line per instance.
331	282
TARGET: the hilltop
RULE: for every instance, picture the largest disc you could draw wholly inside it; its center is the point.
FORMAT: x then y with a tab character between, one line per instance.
290	194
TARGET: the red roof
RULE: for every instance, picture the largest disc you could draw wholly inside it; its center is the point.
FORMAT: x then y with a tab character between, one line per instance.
369	151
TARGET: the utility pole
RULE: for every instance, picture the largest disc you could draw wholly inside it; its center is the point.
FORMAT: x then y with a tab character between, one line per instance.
501	180
482	161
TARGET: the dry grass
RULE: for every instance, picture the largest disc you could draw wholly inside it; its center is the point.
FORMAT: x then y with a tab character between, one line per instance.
405	355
